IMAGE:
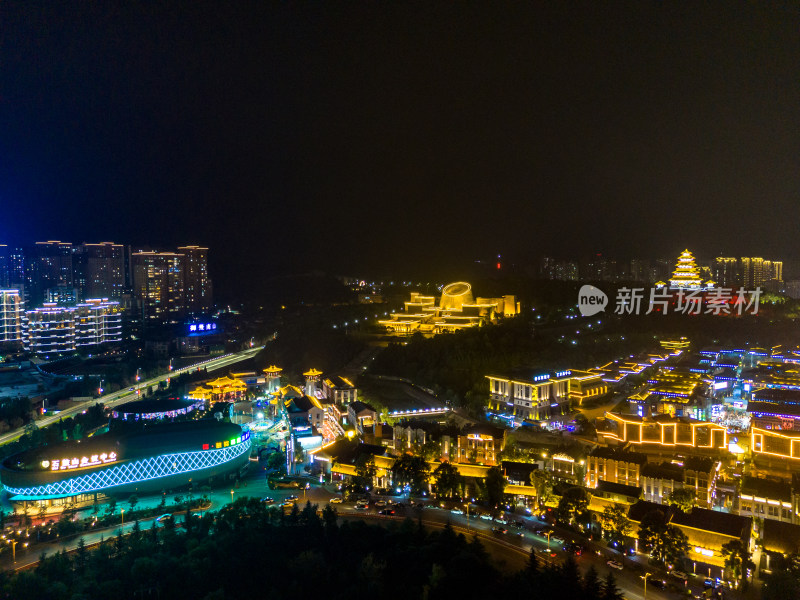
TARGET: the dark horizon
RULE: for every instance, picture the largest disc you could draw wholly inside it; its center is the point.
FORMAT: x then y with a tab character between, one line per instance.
393	138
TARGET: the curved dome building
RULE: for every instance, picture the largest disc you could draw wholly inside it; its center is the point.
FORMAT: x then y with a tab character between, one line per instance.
146	458
455	296
457	310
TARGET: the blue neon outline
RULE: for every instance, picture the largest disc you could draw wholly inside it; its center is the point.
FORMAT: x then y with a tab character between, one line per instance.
135	471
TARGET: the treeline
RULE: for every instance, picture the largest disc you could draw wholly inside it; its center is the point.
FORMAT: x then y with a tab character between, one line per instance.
15	412
65	429
248	550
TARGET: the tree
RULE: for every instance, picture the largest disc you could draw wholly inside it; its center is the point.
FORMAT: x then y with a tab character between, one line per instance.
592	588
542	482
532	566
495	486
365	472
448	480
412	471
133	501
737	559
683	498
616	525
430	450
81	556
276	462
610	589
665	543
573	505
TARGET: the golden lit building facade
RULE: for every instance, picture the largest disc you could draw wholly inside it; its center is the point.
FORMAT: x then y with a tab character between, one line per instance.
614	465
535	395
456	310
665	432
779	445
585	385
480	445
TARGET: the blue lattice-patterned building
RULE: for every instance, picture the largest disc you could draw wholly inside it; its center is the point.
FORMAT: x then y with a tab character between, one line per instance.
143	459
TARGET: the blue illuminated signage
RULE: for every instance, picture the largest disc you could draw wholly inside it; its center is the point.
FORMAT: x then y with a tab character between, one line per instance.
202	328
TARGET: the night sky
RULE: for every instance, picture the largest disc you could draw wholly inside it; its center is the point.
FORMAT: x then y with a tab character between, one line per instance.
380	138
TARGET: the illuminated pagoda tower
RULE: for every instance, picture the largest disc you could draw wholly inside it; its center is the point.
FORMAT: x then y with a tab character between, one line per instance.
686	274
273	379
312	382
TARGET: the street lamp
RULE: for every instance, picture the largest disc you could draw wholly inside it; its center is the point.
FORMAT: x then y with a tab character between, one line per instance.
14	550
231	496
467	507
548	534
122	513
645	576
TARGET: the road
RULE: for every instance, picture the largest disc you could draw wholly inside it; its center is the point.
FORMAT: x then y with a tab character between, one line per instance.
509	550
126	395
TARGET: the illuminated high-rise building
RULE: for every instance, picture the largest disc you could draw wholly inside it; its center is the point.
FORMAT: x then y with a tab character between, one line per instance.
727	273
100	270
10	316
48	266
98	321
686	274
4	266
53	330
197	283
49	330
158	285
757	272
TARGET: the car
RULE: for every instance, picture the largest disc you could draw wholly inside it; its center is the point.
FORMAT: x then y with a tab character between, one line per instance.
267	500
499	529
457	511
656	582
362	506
708	582
380	503
614	565
386	511
287	504
163	517
486	517
398	505
554	539
292	498
574	548
679	574
335	500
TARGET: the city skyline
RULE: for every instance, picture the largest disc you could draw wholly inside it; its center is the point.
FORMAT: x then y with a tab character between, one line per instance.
353	139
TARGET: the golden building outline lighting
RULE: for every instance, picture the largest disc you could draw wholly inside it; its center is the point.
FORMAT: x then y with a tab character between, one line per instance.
456	310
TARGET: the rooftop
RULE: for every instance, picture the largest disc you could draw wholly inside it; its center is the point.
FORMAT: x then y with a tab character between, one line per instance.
619	455
621	489
714	521
766	488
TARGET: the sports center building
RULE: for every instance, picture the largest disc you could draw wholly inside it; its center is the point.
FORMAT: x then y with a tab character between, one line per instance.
141	458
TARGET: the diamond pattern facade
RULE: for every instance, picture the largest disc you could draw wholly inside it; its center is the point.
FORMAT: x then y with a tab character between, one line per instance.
138	470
